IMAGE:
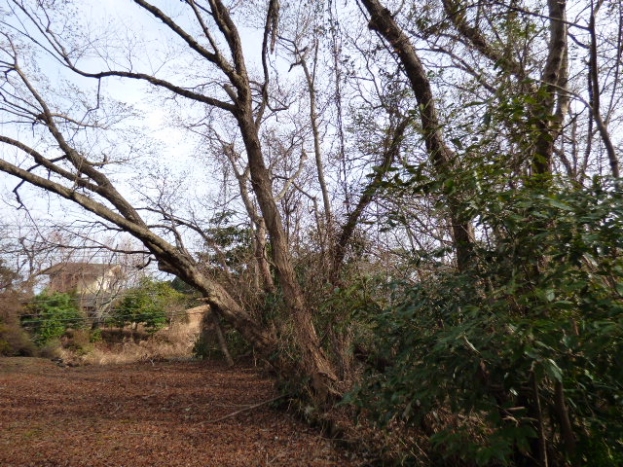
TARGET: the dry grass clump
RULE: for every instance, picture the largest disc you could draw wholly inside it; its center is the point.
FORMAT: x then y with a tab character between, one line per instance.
114	346
15	342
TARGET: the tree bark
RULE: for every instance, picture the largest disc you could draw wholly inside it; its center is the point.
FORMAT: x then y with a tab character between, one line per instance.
554	74
442	157
315	362
259	233
222	343
390	154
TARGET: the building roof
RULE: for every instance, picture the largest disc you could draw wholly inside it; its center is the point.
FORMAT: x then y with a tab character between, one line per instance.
80	268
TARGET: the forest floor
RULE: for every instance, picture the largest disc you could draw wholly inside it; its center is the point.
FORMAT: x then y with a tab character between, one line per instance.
195	414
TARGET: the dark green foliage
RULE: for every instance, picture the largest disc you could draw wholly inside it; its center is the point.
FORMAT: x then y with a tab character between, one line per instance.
147	304
51	314
207	345
503	355
182	287
229	243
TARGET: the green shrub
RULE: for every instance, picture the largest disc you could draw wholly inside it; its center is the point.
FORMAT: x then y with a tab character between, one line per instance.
147	304
519	358
95	336
207	345
51	314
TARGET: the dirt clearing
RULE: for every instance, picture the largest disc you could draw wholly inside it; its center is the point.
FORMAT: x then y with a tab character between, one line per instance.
161	414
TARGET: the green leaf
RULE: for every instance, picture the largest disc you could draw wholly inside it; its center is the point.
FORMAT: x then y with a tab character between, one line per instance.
552	369
560	205
457	143
550	295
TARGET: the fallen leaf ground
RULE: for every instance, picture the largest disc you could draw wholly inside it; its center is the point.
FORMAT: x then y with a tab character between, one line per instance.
195	414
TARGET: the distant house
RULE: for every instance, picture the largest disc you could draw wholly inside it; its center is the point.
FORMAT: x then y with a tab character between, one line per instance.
95	284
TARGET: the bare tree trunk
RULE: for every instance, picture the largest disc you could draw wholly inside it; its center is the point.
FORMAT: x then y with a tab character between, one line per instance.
391	153
562	413
221	339
315	362
442	157
337	76
259	234
554	81
594	92
310	78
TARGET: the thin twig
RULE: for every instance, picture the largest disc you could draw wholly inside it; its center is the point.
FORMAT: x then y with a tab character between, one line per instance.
251	407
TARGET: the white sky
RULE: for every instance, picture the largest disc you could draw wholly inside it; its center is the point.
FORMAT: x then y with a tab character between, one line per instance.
175	150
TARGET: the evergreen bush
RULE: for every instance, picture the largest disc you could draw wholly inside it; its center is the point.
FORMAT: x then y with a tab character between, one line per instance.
520	358
51	314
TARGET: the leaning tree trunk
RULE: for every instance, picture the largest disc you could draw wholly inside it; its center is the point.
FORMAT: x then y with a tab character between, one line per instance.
83	181
314	363
441	156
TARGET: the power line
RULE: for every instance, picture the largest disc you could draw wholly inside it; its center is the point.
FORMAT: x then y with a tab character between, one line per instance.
88	319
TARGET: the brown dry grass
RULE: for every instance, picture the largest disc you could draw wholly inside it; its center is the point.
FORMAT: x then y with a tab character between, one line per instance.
193	414
173	343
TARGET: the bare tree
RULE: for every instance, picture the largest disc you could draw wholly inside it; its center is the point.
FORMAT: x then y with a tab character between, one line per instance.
77	176
295	119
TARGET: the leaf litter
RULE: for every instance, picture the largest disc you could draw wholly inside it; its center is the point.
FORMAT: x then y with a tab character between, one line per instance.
169	414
